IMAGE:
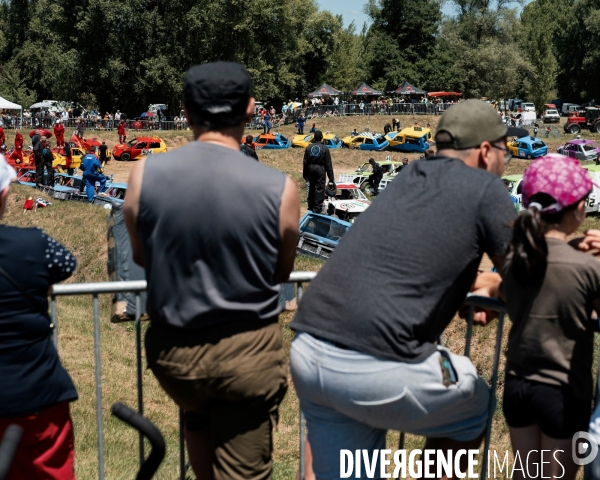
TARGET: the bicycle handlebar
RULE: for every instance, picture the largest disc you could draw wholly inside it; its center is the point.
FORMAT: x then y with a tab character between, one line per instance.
149	430
8	448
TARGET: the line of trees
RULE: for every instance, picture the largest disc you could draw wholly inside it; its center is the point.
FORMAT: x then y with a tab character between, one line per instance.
126	54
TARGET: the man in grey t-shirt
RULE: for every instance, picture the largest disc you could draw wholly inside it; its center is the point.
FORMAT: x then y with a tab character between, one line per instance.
371	363
215	248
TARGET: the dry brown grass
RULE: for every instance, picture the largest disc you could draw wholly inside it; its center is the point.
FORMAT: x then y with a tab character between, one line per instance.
82	228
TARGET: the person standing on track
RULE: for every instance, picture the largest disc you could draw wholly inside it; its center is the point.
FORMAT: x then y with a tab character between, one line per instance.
301	121
376	176
92	173
121	131
317	164
18	153
59	133
104	159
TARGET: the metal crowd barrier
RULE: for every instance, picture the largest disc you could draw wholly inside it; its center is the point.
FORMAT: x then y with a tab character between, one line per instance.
297	278
137	287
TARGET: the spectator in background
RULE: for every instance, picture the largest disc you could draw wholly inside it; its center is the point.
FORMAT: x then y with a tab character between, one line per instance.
36	389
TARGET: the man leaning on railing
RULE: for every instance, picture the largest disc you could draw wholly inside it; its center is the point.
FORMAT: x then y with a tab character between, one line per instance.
214	251
366	361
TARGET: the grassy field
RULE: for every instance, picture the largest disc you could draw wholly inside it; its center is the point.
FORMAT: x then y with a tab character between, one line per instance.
82	228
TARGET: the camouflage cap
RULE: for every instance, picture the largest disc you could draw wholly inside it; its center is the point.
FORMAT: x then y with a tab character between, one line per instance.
470	123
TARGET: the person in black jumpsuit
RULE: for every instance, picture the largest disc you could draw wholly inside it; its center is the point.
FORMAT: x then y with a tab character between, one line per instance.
317	163
376	176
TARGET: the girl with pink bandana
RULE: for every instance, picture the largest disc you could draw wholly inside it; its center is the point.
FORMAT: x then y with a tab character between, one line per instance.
551	290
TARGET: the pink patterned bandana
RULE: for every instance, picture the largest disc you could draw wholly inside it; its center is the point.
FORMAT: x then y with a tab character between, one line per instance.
563	178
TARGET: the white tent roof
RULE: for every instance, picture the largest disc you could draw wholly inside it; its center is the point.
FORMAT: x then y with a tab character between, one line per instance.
44	104
5	104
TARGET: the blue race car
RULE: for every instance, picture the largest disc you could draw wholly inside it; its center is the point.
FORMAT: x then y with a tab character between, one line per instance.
270	141
410	140
320	234
366	141
528	147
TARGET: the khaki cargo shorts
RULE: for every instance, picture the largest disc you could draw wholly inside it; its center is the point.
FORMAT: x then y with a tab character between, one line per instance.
229	378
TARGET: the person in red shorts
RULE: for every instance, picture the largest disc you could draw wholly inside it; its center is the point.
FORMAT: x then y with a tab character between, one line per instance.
121	131
36	388
59	133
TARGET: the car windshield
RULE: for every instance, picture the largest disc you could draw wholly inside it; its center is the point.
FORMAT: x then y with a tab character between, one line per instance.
336	139
133	142
308	138
380	139
551	112
536	145
365	168
588	147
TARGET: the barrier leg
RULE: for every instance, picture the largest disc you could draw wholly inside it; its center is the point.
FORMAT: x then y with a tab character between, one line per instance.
301	429
53	317
98	389
469	331
402	441
182	468
138	352
492	402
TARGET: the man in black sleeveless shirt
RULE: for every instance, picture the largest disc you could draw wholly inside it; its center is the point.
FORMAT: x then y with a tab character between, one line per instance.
215	250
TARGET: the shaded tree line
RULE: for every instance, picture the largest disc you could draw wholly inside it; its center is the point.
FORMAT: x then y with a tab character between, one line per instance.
127	54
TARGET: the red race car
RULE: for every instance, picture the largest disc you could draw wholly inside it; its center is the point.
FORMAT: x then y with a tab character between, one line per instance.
139	147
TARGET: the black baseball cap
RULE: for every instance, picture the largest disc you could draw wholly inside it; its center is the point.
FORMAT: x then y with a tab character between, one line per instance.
470	123
217	89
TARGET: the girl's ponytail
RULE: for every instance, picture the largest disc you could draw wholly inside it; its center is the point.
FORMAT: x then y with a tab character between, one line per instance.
528	246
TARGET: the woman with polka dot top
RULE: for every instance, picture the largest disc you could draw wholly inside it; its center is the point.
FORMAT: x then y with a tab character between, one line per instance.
35	389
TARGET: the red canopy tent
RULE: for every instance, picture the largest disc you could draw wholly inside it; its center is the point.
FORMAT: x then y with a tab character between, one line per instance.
444	94
324	91
408	89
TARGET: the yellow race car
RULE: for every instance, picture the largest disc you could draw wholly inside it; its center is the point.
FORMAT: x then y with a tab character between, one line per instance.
330	140
410	140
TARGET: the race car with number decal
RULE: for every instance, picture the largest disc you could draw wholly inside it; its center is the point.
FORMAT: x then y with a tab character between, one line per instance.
528	147
348	203
139	147
411	139
330	140
365	141
592	205
360	176
271	141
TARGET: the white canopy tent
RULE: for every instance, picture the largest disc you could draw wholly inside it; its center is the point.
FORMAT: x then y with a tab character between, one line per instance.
6	105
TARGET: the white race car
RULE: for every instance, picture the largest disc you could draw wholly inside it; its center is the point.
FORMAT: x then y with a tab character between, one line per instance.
348	203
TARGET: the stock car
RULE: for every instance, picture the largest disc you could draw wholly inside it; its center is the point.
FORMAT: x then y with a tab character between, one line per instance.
348	203
580	149
88	143
320	234
365	141
330	140
360	176
528	147
412	139
592	204
60	158
139	147
273	141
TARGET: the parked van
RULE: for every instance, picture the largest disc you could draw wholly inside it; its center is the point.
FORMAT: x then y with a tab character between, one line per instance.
567	108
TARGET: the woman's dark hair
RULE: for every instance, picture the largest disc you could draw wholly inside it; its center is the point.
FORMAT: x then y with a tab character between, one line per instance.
528	246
